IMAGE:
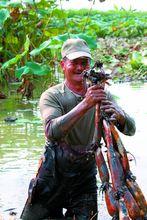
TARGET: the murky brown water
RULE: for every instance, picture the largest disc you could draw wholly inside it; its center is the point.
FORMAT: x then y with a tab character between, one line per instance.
22	142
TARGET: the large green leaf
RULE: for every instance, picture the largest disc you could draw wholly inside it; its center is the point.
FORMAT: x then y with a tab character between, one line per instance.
63	37
42	46
18	56
32	68
42	12
90	40
53	43
56	42
37	68
4	14
26	46
12	61
136	60
16	3
21	71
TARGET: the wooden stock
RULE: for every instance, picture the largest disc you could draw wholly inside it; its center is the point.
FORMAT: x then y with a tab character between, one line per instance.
102	166
116	170
138	196
111	202
118	175
132	207
131	184
121	149
123	212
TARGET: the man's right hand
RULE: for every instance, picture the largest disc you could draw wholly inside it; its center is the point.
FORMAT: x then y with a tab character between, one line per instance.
95	94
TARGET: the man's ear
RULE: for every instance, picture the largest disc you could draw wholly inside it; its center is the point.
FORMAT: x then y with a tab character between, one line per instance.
62	64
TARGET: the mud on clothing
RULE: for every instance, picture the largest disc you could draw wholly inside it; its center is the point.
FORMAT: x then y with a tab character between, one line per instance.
65	180
67	176
59	100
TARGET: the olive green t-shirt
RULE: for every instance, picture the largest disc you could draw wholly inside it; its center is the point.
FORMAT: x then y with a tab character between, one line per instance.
60	100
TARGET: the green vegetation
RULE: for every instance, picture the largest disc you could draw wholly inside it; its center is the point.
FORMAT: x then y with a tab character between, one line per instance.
117	23
31	35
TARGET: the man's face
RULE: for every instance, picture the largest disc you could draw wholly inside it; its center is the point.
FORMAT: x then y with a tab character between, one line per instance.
73	68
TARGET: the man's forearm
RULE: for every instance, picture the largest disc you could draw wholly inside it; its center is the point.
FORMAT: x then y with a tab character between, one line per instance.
58	127
129	127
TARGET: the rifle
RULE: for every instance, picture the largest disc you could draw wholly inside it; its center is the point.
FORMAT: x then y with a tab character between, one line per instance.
124	198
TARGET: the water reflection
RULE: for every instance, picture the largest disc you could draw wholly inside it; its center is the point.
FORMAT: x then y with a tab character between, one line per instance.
22	143
21	146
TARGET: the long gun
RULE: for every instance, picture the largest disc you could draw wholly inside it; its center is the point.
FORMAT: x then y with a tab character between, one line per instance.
124	198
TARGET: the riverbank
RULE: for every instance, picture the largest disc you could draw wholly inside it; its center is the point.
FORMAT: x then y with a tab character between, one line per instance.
22	143
125	59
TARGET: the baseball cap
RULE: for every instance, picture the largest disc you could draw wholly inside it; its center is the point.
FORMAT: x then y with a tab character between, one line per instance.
74	48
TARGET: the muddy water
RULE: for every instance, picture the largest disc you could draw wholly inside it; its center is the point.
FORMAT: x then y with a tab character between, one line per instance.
22	141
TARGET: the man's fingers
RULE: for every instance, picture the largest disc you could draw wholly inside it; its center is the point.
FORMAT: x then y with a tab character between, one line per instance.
97	87
110	110
113	118
106	106
106	102
99	97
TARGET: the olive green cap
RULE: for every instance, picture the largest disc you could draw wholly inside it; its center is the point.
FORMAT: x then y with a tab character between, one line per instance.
75	48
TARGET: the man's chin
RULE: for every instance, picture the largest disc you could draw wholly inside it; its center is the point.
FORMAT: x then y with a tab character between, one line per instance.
79	79
79	76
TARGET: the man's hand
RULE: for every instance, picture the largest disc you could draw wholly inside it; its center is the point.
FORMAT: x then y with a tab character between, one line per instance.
115	113
95	94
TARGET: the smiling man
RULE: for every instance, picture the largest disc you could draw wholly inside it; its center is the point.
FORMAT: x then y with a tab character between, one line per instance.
67	175
76	58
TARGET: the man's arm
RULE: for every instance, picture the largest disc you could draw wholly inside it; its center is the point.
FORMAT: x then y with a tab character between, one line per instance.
57	124
118	116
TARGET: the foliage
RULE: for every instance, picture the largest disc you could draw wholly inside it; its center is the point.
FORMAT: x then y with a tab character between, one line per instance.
18	57
125	59
32	68
32	32
117	23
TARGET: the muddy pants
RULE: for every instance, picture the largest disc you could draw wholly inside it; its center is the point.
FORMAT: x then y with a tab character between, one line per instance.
66	181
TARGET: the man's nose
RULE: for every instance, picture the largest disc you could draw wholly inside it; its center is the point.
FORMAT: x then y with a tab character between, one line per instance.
80	67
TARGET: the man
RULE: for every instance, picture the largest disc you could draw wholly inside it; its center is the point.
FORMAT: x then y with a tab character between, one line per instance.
67	175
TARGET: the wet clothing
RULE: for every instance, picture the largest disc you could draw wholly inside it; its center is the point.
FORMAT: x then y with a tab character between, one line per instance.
82	207
60	100
67	175
67	180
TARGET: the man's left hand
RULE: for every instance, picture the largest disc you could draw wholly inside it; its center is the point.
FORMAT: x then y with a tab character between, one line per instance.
116	114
